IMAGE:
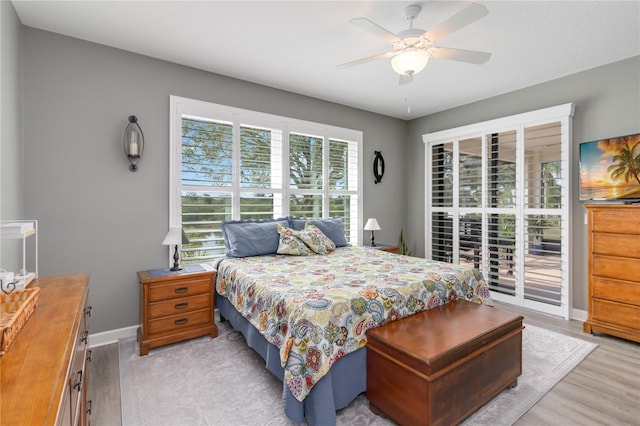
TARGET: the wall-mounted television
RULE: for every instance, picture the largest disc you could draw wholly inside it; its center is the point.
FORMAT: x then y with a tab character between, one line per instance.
610	169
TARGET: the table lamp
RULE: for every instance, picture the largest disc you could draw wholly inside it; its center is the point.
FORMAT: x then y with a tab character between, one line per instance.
175	236
372	225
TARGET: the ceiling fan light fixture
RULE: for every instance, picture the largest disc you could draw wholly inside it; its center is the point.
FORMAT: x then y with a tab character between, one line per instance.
410	61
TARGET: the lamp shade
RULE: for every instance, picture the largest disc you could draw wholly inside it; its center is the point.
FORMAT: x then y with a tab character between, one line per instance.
410	61
372	225
175	236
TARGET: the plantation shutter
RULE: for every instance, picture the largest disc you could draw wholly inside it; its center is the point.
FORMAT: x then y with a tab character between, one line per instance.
207	176
501	212
343	184
260	172
441	196
497	200
544	178
230	164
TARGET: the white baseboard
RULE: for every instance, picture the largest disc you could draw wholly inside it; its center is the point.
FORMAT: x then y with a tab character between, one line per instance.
111	336
578	315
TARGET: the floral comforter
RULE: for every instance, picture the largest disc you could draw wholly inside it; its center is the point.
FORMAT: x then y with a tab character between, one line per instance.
316	309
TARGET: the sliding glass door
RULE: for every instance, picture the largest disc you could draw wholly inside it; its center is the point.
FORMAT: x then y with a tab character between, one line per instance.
497	200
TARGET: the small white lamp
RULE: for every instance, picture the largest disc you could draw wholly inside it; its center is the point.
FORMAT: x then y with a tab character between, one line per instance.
175	236
372	225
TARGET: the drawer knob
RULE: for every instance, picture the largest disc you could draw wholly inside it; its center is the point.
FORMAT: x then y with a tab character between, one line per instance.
181	305
181	289
181	321
85	337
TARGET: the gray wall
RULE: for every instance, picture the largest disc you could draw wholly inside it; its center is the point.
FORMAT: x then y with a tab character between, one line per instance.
607	104
96	216
11	125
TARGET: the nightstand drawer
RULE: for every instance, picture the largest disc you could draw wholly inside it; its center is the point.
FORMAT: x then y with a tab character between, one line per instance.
179	306
183	288
176	323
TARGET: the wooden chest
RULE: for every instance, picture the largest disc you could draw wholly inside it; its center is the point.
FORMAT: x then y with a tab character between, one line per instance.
439	366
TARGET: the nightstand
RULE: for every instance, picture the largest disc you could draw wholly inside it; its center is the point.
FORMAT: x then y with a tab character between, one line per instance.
384	247
176	306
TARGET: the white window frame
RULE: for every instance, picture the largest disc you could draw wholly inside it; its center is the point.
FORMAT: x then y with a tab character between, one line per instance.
180	107
562	114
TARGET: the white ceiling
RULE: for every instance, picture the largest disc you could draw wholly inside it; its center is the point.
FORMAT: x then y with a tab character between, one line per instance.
296	45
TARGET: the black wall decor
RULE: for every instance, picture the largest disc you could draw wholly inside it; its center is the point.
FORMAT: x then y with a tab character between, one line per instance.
378	167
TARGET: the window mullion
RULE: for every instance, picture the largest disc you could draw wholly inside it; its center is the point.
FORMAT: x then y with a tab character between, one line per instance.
235	182
325	174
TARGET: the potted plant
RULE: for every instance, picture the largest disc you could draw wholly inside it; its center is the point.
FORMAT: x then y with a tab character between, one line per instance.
403	249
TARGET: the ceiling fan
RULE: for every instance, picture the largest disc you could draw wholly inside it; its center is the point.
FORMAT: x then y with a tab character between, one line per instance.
412	48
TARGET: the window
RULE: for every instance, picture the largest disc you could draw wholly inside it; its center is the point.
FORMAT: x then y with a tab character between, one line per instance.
497	200
228	163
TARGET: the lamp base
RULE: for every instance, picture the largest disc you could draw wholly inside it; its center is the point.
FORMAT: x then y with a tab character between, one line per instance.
176	257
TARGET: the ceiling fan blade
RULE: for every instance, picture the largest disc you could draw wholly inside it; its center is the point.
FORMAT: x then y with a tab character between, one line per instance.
405	79
466	16
365	60
375	29
461	55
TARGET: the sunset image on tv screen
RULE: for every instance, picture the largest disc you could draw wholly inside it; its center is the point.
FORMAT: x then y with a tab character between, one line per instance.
610	168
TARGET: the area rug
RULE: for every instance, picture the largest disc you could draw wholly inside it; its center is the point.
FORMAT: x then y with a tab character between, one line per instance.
223	382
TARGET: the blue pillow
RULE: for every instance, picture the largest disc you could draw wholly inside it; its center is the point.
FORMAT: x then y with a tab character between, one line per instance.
244	238
332	228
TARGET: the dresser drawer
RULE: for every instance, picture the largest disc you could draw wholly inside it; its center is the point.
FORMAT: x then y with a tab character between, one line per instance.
617	220
183	288
177	323
179	306
616	267
617	291
616	245
616	313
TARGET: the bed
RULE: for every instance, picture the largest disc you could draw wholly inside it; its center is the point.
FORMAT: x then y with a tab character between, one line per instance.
307	315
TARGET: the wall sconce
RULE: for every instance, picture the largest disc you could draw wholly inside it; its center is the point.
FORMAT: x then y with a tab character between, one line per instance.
378	167
133	142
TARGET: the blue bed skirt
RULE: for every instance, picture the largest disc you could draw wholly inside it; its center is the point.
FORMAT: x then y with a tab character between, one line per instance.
346	379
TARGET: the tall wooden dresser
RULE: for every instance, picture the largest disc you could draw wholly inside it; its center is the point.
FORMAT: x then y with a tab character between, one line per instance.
44	372
614	270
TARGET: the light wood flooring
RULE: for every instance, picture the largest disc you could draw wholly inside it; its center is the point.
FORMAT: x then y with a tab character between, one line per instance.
603	390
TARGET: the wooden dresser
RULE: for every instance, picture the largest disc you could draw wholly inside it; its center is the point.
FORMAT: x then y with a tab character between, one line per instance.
614	270
44	372
175	307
